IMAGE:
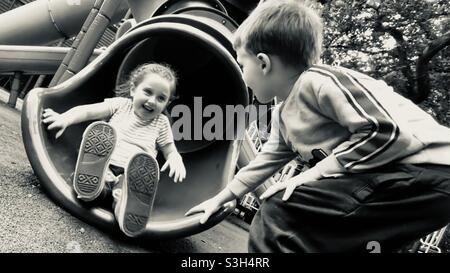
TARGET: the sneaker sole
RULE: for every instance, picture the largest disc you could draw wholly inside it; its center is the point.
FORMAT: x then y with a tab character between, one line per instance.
99	140
142	176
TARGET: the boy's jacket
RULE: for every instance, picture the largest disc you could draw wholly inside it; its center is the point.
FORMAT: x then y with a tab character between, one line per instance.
359	122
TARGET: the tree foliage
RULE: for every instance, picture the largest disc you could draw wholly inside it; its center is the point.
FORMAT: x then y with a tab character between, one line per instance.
389	40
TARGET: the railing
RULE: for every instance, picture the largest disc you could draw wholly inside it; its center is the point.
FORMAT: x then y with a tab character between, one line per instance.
430	243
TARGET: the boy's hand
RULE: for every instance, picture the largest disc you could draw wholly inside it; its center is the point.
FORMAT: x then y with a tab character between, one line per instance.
209	207
291	184
177	169
56	121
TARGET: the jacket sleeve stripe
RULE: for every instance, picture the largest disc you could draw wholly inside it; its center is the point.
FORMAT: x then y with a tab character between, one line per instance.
383	131
373	123
396	133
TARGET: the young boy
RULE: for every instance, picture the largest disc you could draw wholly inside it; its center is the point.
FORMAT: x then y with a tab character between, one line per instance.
386	176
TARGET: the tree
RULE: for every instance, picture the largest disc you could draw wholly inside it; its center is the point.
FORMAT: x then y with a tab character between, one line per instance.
403	42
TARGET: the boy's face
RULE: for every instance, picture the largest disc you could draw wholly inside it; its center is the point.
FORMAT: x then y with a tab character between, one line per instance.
151	96
252	72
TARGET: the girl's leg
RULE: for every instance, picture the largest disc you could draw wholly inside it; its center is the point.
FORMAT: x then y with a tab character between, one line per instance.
137	194
98	142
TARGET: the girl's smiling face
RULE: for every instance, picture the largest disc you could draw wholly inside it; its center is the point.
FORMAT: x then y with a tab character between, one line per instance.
151	96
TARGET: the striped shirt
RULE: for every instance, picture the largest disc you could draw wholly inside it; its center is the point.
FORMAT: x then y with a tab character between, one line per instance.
134	134
359	122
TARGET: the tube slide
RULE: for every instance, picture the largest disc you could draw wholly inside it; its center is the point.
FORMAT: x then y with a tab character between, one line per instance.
196	42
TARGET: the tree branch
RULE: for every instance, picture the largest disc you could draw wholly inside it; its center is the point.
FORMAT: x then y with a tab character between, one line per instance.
400	49
360	50
422	75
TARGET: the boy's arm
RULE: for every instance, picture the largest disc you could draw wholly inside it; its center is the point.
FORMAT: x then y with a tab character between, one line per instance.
212	205
273	156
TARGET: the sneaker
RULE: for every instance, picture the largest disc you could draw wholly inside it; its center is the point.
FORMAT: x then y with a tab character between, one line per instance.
99	140
138	194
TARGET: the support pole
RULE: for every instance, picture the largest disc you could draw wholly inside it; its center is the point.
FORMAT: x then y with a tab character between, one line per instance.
14	93
84	45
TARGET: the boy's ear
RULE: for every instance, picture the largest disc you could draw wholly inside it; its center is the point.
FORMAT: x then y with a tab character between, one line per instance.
264	62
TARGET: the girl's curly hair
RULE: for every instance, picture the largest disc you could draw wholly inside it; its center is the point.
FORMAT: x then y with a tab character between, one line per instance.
164	70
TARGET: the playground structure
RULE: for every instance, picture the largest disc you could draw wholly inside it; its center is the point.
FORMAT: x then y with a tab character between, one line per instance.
193	36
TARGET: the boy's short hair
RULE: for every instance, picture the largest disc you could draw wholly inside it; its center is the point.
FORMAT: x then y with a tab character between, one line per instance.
286	28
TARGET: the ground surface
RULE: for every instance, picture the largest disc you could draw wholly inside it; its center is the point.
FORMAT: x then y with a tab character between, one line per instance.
30	222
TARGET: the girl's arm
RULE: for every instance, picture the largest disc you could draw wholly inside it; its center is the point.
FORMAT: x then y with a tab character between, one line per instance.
75	115
86	112
168	149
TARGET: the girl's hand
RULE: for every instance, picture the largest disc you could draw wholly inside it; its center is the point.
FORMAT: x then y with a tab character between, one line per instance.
55	120
177	169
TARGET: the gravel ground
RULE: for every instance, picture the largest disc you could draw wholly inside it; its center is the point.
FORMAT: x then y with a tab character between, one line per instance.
30	222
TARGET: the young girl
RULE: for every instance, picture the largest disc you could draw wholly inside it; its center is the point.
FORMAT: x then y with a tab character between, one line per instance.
122	152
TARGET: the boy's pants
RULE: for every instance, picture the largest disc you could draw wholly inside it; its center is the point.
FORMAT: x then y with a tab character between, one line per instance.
392	205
